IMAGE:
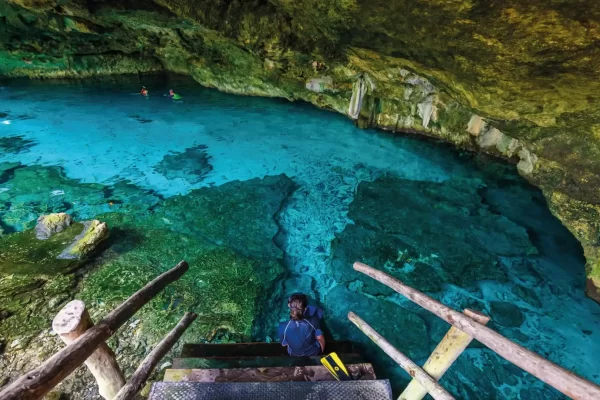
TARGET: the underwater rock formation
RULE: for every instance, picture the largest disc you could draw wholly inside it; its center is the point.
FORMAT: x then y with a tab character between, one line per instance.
414	340
446	234
30	191
518	79
192	165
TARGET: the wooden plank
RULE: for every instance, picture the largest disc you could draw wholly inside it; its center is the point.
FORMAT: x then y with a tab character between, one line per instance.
253	349
70	323
444	355
39	381
561	379
276	374
433	388
258	362
142	373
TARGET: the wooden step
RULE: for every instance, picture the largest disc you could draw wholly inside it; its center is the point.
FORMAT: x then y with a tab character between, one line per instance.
256	362
254	349
348	390
311	373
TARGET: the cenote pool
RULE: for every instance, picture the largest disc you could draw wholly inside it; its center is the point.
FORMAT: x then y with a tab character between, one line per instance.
263	198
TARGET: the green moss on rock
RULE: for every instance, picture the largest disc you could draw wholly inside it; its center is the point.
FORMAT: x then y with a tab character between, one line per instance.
23	254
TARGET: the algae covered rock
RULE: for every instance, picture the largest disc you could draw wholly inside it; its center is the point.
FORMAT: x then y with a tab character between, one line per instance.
23	253
93	234
47	225
238	214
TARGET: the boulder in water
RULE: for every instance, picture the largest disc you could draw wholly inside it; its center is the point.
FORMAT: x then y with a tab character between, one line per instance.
93	234
48	225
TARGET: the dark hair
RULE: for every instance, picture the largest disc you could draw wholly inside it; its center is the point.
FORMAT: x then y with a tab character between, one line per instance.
297	304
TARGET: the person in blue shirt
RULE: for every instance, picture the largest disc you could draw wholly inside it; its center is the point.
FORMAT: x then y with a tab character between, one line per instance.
302	333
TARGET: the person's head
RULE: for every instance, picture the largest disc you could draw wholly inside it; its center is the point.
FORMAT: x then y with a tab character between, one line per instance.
297	303
171	91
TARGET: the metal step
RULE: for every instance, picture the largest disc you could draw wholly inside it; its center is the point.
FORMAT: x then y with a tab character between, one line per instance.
252	349
348	390
271	374
255	362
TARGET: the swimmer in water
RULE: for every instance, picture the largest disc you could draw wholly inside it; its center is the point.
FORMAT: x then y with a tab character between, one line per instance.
174	95
144	91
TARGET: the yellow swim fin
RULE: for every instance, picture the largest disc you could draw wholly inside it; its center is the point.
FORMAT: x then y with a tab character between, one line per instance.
337	368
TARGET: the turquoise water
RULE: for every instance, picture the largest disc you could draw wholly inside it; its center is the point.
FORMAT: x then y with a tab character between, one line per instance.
466	229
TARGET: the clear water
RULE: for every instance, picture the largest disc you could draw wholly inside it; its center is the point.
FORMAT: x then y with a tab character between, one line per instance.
104	132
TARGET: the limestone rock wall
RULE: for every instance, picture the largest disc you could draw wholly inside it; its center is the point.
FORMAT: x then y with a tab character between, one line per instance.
519	79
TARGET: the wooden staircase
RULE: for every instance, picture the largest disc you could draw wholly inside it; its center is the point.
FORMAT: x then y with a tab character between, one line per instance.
264	371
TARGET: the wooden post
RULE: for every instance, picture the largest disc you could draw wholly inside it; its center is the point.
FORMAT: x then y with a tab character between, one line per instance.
140	376
444	355
559	378
39	381
433	388
70	323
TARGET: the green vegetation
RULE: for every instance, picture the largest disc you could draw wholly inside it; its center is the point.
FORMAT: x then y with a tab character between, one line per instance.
224	233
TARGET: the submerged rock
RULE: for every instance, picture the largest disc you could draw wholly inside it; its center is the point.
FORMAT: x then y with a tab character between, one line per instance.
238	214
425	234
31	191
506	314
192	165
48	225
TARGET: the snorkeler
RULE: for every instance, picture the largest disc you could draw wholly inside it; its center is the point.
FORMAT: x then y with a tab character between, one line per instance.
144	91
174	95
302	333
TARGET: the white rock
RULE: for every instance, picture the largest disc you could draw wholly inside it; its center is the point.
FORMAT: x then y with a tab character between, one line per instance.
165	365
490	138
476	125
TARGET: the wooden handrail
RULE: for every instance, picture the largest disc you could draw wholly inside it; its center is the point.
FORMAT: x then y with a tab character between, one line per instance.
433	388
561	379
140	376
72	321
39	381
443	356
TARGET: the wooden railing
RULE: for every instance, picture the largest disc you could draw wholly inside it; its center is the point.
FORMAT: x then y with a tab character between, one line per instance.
86	344
465	327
